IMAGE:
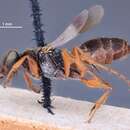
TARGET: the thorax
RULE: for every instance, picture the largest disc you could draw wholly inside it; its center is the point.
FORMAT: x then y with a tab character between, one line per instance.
52	63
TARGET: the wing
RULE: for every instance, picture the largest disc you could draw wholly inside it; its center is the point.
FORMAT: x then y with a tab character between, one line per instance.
81	23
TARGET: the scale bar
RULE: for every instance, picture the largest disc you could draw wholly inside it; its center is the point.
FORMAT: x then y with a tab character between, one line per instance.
13	27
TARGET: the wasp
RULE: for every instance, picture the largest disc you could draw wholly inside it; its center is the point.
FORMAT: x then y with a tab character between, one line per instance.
82	63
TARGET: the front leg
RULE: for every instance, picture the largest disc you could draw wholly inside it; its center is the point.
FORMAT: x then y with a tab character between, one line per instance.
13	70
32	65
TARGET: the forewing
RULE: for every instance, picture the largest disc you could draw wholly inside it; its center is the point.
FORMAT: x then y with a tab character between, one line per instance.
95	14
72	30
83	22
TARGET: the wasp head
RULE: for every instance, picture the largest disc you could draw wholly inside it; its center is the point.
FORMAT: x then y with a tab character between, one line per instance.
7	62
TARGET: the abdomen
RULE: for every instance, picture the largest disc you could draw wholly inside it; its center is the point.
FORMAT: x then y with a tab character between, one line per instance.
105	50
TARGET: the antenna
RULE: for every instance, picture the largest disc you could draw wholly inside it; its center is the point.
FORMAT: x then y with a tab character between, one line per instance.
40	41
38	31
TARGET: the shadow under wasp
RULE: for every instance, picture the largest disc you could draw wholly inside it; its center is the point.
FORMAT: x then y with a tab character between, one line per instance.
81	64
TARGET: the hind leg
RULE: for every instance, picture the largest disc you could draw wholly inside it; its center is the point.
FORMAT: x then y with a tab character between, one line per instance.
96	82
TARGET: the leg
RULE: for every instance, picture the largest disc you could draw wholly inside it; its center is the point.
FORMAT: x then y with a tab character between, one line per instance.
96	82
32	64
68	60
98	104
79	64
29	83
73	58
14	69
86	58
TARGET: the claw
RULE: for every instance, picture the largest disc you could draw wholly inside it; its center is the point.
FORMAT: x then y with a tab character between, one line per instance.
92	109
40	101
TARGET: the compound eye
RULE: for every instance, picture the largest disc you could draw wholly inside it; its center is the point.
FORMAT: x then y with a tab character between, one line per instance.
10	58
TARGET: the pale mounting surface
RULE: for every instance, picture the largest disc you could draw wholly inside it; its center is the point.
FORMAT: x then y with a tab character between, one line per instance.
69	113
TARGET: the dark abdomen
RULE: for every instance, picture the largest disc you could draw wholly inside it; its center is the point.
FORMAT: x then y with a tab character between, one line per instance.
104	50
